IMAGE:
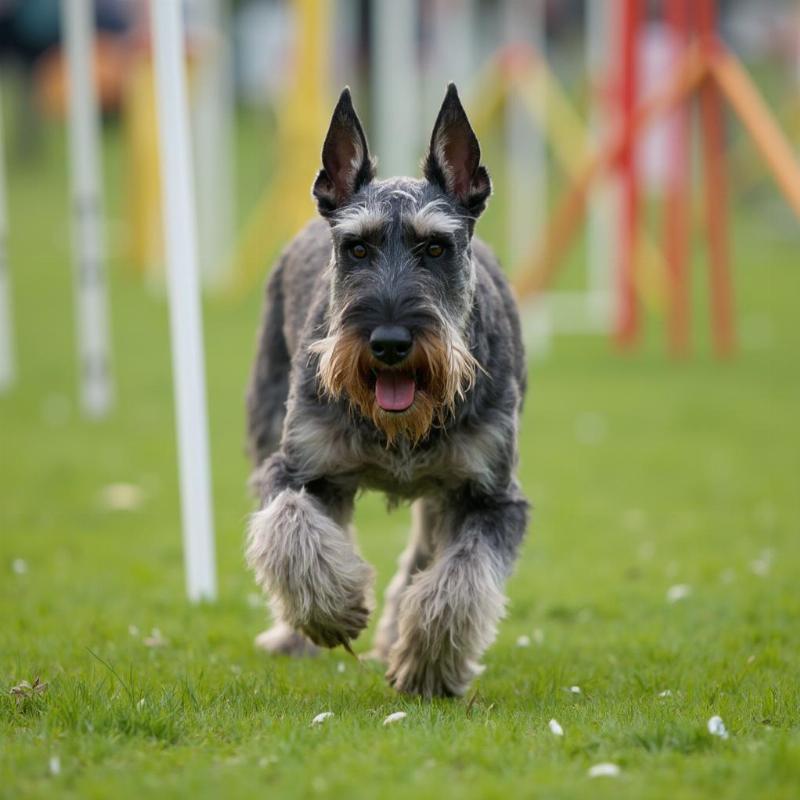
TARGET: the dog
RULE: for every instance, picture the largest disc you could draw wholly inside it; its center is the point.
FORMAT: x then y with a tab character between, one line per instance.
389	357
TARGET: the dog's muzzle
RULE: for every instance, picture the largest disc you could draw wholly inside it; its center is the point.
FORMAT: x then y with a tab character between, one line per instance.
394	388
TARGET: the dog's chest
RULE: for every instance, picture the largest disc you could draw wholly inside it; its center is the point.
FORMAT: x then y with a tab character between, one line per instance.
344	454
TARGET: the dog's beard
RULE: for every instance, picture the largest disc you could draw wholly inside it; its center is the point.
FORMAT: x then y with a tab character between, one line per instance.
441	366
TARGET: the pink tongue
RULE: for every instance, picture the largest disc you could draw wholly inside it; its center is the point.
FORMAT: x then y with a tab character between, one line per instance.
394	391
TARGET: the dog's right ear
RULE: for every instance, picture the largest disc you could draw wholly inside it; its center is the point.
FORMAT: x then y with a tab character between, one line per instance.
346	163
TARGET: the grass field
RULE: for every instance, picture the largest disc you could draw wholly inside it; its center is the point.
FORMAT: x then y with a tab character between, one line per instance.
646	475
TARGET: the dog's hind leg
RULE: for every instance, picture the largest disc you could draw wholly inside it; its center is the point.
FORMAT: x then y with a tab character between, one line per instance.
414	558
269	380
449	614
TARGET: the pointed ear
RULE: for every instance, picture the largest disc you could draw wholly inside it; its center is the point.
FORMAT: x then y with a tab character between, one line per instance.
454	157
346	164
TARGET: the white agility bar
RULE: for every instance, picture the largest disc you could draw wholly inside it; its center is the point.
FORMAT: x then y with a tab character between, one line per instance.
183	287
395	86
212	118
8	370
87	211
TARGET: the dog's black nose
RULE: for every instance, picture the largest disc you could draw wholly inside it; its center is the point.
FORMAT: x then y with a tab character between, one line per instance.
390	343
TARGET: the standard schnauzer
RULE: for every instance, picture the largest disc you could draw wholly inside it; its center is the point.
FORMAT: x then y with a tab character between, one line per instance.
390	357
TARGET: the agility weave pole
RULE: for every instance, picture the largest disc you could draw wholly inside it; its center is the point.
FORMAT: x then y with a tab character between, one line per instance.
627	311
394	89
8	371
212	113
676	209
183	285
91	316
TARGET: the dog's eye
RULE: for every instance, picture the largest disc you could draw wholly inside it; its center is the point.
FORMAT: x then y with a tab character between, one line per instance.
434	250
358	251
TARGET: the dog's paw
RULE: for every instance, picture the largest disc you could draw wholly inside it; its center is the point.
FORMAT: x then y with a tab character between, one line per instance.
282	639
318	582
327	630
445	674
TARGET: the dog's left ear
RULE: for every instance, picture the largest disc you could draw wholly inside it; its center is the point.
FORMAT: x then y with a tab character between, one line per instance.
346	164
454	157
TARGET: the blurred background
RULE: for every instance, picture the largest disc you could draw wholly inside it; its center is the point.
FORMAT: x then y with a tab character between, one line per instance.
644	157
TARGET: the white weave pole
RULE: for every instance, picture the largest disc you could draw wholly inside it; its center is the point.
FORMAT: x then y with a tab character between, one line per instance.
91	298
395	87
601	248
525	141
451	53
8	370
526	165
183	287
212	118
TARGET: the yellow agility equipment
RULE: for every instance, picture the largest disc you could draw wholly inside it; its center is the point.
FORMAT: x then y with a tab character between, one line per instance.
286	205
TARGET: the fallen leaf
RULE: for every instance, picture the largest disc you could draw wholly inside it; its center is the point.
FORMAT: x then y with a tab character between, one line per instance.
397	716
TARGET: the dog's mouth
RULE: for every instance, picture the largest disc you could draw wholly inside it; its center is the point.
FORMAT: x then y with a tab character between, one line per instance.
394	389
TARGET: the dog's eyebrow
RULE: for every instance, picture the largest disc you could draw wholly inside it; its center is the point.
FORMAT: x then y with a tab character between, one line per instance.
430	221
360	222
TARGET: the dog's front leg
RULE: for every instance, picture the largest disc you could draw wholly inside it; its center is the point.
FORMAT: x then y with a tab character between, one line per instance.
302	554
448	615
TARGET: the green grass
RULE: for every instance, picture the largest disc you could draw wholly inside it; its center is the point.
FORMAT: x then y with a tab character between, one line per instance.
645	473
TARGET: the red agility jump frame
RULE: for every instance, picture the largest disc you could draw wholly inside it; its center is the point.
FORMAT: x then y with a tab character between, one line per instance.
707	70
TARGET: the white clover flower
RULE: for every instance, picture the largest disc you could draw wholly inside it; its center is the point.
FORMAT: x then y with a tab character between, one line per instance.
604	770
555	728
320	718
397	716
680	591
523	641
716	727
762	565
121	497
155	639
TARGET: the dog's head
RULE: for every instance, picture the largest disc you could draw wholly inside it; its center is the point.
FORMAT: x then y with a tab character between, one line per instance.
403	280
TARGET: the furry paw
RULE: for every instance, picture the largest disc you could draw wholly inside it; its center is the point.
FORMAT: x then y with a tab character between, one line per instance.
318	583
447	618
339	629
284	640
442	674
